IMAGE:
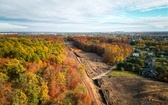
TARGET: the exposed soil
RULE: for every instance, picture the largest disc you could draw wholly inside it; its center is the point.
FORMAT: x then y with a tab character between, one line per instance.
133	91
91	89
117	90
96	68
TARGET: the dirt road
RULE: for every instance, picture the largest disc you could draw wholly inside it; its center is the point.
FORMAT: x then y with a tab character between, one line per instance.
103	74
117	90
91	89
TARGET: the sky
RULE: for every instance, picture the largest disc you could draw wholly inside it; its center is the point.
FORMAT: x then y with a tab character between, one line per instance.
83	15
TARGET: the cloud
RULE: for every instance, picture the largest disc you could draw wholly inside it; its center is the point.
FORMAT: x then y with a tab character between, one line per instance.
72	10
43	10
158	22
75	14
147	5
126	24
5	26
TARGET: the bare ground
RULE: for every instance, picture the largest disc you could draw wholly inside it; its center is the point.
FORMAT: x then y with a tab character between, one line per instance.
118	90
133	91
91	89
95	66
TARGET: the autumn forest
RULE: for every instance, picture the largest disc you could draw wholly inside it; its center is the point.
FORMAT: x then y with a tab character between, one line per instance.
34	70
44	70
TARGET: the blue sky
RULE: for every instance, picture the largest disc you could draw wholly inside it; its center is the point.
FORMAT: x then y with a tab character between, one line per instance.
83	15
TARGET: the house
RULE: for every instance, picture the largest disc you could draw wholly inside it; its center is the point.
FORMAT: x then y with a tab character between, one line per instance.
150	70
147	47
135	54
149	60
150	54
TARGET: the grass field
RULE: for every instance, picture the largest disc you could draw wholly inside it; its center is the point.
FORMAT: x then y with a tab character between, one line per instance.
123	74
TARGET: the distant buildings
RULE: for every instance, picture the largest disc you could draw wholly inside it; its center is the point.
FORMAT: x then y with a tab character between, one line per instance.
147	47
135	54
150	54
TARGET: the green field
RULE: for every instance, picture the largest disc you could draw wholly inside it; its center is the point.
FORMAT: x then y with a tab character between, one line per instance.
123	74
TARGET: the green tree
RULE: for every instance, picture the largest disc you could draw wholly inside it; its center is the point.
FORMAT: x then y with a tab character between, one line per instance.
13	68
30	86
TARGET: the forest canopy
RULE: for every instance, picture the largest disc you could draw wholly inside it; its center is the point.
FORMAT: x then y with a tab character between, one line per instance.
34	71
113	50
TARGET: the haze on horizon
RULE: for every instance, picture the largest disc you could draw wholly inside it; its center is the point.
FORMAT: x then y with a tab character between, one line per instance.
83	15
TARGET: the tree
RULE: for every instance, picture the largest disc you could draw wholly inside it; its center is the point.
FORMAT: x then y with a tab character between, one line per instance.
81	69
3	77
61	78
44	97
19	98
29	83
13	68
120	66
5	93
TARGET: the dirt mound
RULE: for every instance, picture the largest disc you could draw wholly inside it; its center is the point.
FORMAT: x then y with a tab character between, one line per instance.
133	91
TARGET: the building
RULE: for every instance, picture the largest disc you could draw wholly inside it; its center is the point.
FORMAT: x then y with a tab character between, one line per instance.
150	70
135	54
150	54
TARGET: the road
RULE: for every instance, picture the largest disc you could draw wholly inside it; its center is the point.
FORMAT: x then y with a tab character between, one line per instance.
120	90
91	89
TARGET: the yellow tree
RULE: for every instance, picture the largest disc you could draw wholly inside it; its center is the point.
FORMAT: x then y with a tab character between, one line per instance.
19	98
